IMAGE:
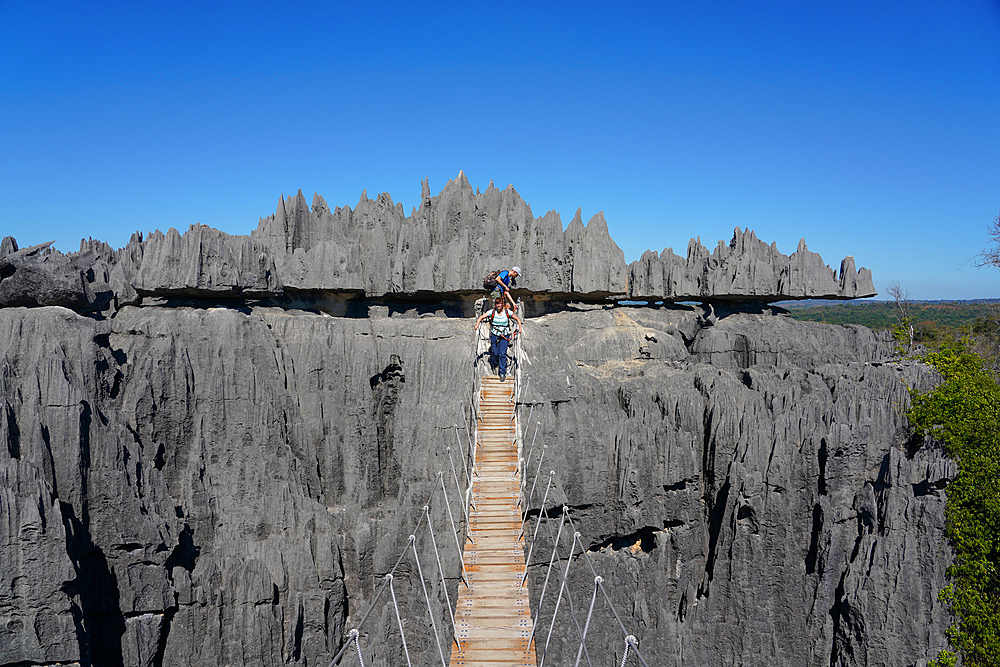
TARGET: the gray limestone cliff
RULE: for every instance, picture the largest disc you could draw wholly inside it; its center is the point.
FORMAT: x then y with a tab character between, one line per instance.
193	471
225	485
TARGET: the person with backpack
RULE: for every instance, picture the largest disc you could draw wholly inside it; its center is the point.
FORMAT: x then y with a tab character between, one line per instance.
498	283
502	331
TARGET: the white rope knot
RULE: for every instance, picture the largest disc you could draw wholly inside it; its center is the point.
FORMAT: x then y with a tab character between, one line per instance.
427	508
411	538
388	577
598	580
353	634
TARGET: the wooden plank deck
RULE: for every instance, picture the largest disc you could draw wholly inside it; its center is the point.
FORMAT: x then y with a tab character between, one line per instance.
492	617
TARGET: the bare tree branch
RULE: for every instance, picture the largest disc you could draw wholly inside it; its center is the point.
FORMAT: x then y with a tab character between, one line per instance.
991	256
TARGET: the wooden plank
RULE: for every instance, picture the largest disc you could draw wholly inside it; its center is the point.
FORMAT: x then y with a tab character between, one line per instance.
492	615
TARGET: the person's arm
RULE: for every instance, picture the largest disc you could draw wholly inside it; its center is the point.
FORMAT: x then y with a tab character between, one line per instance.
481	318
501	283
510	300
518	320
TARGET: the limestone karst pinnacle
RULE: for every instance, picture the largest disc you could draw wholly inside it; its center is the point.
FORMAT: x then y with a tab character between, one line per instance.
200	466
446	245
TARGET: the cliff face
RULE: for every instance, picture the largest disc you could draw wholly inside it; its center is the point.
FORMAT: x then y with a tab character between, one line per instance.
199	472
192	486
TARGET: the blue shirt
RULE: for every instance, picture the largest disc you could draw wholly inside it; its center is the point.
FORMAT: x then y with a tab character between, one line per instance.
505	278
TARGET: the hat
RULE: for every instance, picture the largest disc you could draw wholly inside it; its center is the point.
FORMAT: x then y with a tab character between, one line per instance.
516	269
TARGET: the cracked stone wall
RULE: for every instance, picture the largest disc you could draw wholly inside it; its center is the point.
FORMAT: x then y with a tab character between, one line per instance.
227	484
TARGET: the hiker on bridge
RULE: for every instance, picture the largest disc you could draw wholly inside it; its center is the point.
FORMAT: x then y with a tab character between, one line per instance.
502	331
499	283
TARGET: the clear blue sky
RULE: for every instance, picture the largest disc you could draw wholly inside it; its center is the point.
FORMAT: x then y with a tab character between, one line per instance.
869	128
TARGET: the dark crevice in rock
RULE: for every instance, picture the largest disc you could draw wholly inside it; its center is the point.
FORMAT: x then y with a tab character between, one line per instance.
625	401
297	635
6	271
97	588
49	463
556	512
837	613
746	379
13	433
929	487
679	486
817	528
913	445
822	457
86	417
882	486
161	644
748	514
383	477
717	512
185	554
159	459
644	539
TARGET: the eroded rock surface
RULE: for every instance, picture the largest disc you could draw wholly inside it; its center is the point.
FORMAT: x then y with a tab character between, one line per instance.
215	446
444	246
223	485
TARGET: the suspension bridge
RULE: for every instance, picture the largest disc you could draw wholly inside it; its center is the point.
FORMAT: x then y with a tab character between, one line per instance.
491	622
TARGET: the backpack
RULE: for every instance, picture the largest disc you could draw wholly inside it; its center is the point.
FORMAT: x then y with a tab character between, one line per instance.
490	281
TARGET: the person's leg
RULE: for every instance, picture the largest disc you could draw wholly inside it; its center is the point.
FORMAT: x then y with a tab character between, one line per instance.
494	351
502	351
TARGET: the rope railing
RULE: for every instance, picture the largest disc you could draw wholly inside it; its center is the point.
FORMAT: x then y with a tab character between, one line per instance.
425	521
559	602
630	640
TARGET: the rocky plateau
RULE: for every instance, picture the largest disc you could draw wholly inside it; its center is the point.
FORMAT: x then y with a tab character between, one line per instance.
215	447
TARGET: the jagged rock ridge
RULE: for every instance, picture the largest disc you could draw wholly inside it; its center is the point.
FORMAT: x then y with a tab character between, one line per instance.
447	245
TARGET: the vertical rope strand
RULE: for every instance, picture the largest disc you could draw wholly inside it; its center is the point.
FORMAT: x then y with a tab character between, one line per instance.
427	599
444	582
562	587
465	465
399	621
538	522
458	545
461	495
586	627
548	573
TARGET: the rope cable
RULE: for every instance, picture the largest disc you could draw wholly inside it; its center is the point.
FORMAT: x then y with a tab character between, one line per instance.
458	488
427	599
465	464
357	644
562	588
586	628
531	548
444	582
399	621
548	573
458	545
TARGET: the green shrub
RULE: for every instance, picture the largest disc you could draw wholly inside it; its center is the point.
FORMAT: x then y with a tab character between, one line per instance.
964	413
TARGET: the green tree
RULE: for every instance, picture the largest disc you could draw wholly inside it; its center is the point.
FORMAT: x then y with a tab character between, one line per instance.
963	412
